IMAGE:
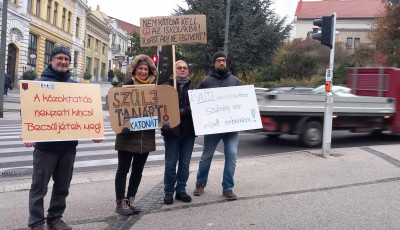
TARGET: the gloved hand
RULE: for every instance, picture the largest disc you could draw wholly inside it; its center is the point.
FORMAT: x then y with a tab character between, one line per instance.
185	111
125	131
166	130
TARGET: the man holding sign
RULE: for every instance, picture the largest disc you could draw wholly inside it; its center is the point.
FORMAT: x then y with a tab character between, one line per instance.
179	141
52	159
219	76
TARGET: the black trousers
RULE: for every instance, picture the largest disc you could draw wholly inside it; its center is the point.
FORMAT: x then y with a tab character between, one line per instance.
124	163
59	166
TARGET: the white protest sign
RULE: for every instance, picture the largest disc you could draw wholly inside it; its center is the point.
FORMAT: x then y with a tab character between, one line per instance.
144	123
225	109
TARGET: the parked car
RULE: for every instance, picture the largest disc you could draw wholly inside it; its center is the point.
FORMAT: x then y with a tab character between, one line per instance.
292	90
258	89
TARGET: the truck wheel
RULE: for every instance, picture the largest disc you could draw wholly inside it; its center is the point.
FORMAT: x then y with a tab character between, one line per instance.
312	135
273	136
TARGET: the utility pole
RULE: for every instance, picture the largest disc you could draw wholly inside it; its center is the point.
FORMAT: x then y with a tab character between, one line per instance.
3	54
228	10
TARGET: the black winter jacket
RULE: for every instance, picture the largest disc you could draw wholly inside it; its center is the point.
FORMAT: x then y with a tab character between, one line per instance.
49	74
214	80
185	128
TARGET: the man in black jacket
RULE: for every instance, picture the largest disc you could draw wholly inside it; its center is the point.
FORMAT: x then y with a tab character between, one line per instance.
219	76
179	141
52	159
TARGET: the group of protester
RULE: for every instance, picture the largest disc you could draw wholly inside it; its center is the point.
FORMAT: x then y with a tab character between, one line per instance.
56	159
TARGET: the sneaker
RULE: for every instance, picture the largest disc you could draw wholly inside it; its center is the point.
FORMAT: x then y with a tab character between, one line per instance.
39	227
58	224
183	196
229	195
168	199
123	208
133	205
199	189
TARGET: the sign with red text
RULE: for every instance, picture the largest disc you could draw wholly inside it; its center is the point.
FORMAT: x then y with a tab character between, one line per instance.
136	101
224	109
54	111
173	30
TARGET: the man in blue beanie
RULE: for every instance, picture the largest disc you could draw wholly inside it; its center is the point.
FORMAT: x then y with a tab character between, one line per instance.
219	76
52	159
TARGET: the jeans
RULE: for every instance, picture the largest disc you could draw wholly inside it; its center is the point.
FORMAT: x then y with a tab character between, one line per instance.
230	151
177	148
124	163
58	165
6	89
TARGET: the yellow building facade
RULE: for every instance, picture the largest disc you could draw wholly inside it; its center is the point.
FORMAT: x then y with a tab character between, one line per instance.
54	22
96	45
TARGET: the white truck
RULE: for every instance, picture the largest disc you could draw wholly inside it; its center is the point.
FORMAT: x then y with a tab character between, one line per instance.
303	114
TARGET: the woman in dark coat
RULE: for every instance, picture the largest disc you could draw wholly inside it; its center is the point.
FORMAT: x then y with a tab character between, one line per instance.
134	146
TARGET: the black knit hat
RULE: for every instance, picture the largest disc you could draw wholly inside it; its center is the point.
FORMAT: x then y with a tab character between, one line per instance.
217	55
60	49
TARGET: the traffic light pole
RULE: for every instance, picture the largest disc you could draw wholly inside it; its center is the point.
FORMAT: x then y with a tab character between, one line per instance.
327	133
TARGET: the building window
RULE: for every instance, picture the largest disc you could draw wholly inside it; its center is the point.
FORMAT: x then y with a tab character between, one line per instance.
38	8
88	41
69	22
32	49
103	70
349	43
356	42
49	46
55	13
77	27
97	45
96	68
88	64
48	10
30	6
63	19
104	48
76	57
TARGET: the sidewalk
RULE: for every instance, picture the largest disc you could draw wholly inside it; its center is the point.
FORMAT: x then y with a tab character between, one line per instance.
355	188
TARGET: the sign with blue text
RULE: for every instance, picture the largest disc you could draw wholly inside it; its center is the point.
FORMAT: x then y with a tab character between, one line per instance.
225	109
144	123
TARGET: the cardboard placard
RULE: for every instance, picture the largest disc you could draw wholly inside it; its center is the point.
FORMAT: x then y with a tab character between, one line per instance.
133	101
225	109
173	30
53	111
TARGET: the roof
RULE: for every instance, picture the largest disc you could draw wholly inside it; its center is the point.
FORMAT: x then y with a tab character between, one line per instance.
343	8
125	26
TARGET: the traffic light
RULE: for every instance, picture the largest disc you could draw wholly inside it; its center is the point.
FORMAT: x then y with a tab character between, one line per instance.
164	66
326	26
155	59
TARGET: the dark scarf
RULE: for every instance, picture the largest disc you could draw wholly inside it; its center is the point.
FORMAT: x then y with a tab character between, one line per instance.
182	81
56	75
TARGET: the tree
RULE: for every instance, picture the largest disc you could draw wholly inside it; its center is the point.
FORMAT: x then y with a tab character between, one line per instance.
386	32
255	32
136	49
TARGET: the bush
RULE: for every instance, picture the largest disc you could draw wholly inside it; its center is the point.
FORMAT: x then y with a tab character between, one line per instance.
87	76
29	75
120	76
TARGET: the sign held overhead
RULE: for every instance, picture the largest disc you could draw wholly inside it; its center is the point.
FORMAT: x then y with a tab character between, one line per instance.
173	30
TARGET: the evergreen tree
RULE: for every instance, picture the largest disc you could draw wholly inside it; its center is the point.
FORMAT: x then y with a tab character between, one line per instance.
255	32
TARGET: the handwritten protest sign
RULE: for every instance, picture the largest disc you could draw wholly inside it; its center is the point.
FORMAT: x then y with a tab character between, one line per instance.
136	101
53	111
226	109
173	30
